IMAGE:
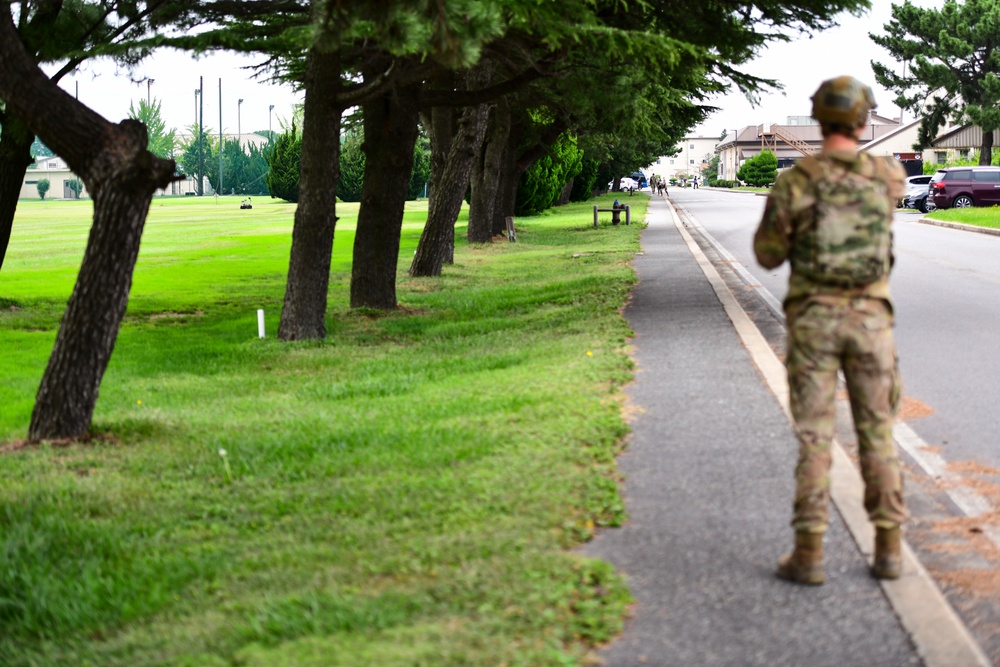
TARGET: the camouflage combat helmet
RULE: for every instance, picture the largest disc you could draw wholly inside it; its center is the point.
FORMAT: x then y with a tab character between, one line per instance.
843	101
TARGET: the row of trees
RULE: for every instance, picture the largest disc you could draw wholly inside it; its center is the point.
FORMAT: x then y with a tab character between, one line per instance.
244	168
499	86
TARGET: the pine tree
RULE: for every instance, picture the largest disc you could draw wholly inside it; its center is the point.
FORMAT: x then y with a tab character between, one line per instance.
953	66
283	160
162	142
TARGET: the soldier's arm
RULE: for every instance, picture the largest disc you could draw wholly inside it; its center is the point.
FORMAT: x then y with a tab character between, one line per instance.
773	239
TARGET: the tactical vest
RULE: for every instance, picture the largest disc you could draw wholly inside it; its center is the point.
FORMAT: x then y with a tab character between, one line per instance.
848	242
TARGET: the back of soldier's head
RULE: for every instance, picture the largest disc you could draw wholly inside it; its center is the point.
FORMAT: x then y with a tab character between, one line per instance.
842	105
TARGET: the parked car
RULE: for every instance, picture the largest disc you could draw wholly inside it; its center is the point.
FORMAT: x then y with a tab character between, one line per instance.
961	187
917	190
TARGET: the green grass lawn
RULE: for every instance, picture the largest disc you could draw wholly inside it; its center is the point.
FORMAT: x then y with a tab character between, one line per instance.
977	216
405	492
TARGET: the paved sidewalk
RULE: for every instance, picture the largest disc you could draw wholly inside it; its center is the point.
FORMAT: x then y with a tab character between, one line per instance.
708	489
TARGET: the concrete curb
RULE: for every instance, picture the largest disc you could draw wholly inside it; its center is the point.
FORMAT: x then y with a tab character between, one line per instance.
941	639
959	225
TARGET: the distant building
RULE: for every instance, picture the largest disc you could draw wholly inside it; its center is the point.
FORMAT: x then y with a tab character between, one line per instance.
691	157
60	175
798	137
958	143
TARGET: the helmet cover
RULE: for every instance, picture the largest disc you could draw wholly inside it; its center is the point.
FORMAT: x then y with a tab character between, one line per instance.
843	101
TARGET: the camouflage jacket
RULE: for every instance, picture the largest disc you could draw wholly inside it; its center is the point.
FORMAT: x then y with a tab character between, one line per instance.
790	215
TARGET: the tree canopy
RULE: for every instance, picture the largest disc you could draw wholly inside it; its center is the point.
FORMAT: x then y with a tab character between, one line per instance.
951	67
162	142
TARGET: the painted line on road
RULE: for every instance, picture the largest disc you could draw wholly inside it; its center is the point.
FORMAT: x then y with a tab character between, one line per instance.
770	300
941	638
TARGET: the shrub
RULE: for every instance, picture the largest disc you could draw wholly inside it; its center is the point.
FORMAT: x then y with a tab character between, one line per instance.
760	170
543	182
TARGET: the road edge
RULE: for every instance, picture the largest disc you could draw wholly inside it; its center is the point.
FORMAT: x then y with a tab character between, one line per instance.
940	636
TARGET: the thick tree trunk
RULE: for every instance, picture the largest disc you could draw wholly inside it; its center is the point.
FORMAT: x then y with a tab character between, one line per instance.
303	315
516	162
986	149
15	158
68	392
437	242
485	175
390	124
122	176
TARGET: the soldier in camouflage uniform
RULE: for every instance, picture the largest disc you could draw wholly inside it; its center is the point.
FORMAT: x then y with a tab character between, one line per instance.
829	216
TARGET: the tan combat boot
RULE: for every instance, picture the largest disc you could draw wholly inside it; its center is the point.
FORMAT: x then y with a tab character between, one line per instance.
804	565
888	559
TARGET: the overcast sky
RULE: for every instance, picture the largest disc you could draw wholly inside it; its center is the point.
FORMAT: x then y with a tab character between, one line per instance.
800	66
175	77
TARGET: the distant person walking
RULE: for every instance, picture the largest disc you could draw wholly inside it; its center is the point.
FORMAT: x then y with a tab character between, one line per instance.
830	217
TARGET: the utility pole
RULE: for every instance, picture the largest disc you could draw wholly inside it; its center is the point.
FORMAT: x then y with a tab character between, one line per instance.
239	129
149	84
219	191
269	110
201	134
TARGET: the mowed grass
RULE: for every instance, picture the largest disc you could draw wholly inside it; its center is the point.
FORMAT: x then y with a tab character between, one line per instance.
405	492
977	216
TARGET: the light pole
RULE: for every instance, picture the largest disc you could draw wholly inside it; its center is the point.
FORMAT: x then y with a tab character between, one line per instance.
195	128
239	132
201	135
149	84
221	145
269	110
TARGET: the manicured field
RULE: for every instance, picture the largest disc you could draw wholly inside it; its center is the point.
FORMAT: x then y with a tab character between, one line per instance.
405	492
980	217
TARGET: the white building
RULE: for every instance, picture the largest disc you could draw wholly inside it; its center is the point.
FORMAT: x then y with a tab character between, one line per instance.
692	156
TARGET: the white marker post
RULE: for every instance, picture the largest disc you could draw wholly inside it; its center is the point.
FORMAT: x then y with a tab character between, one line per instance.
260	322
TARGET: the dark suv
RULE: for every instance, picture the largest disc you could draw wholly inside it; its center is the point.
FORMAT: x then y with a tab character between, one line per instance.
966	186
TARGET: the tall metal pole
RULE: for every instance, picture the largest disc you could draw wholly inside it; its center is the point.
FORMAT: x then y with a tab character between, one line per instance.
194	128
239	128
220	137
269	110
149	84
201	134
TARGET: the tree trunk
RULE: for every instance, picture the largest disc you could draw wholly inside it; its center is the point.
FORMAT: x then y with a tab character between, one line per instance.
303	315
485	175
986	150
68	392
507	190
390	124
15	158
566	192
437	242
122	176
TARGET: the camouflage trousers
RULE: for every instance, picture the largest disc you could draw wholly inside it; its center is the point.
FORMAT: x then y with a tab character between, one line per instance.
826	334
